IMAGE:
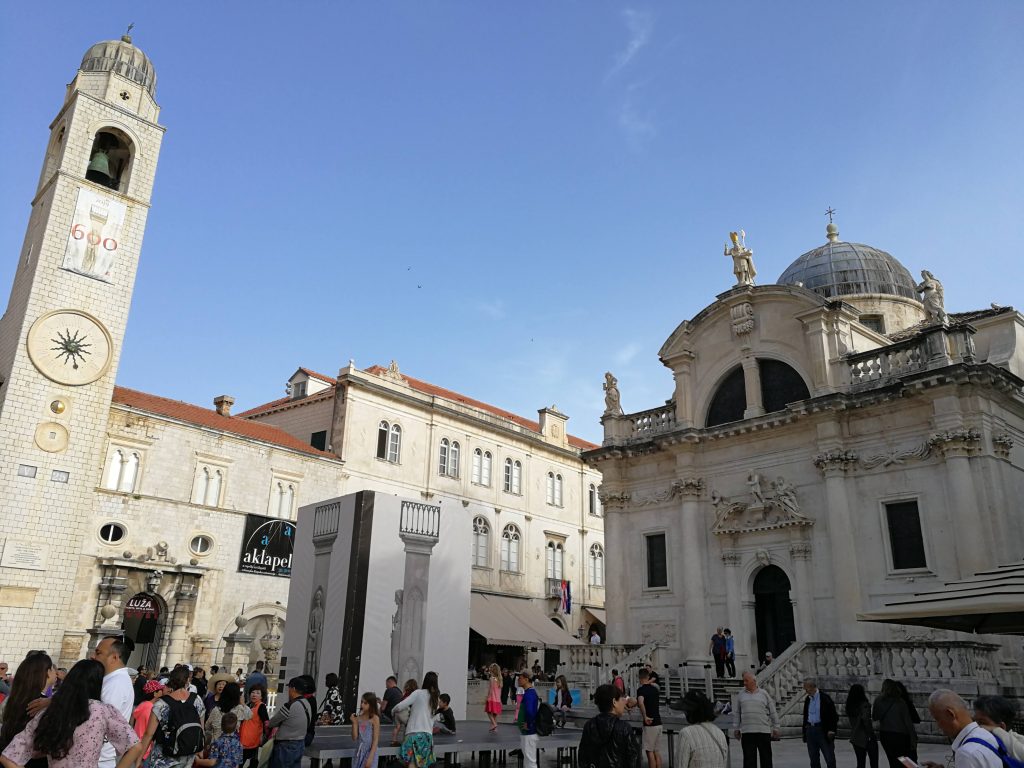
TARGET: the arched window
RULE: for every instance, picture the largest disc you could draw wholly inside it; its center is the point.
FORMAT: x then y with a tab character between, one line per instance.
395	445
442	459
780	386
510	538
596	565
110	159
549	495
485	469
558	490
215	480
594	500
129	472
478	462
113	476
481	534
453	460
513	476
285	499
383	430
555	553
554	489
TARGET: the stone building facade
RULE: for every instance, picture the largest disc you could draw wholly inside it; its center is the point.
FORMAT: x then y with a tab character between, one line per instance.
833	441
531	503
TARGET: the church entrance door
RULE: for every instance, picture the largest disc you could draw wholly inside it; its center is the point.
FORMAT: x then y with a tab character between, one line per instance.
144	619
773	611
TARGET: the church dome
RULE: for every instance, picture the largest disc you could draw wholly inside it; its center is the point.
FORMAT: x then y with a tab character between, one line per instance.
838	268
125	59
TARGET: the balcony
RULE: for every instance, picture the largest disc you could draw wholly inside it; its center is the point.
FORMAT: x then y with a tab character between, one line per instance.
554	588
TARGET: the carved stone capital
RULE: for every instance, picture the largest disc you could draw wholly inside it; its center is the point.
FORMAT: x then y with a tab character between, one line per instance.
836	461
956	442
691	486
742	318
1002	444
800	550
731	558
613	499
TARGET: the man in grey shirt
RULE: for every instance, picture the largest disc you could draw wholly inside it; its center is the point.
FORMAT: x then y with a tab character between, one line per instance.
757	723
292	721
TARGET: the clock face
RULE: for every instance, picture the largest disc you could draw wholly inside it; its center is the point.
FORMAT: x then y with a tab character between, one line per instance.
69	347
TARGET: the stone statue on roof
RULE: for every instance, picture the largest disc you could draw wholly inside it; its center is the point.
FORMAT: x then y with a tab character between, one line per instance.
742	259
612	401
933	298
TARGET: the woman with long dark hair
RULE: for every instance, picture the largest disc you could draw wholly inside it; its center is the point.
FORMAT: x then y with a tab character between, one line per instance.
35	674
862	731
418	747
71	731
230	701
895	724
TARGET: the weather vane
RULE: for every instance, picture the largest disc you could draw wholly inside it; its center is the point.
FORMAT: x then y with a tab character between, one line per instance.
829	213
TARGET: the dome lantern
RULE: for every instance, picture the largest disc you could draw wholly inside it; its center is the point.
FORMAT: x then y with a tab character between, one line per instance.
123	58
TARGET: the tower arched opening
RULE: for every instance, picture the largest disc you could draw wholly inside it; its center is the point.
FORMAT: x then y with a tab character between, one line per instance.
110	159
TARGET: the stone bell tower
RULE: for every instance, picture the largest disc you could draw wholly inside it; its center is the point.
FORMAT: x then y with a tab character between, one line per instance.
60	338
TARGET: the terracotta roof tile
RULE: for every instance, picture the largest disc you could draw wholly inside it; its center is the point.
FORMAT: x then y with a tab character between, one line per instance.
447	394
282	402
206	417
321	376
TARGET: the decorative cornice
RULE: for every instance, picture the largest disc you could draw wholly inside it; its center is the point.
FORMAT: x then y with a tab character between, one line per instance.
689	486
1002	444
956	442
840	461
613	499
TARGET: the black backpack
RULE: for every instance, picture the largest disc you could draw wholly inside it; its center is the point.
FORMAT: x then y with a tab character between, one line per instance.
181	733
545	722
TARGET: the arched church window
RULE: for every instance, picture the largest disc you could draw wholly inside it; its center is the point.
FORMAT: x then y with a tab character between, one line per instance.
780	386
110	159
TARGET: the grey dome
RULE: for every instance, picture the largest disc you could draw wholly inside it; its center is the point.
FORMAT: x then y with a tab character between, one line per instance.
838	268
125	59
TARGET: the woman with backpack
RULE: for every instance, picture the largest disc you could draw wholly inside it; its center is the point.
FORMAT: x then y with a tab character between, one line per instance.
71	731
175	725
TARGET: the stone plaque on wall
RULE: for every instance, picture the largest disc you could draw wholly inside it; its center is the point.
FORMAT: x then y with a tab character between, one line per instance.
24	554
658	632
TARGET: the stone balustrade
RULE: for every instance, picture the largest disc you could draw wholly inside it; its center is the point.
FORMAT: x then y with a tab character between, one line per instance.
652	422
593	664
940	347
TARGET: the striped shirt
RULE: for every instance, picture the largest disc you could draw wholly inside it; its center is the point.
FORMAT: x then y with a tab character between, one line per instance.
701	746
755	712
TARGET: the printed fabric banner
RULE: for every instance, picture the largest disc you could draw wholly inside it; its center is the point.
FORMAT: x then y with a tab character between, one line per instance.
267	546
95	235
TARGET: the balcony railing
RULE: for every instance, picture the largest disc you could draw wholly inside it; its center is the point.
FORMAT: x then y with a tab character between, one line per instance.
420	520
554	587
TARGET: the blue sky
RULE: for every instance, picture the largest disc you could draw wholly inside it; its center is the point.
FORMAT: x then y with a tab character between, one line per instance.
511	198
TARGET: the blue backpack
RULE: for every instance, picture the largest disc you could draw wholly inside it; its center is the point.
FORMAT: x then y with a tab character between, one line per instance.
1001	753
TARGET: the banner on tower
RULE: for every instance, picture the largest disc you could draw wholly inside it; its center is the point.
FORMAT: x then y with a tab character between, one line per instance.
95	235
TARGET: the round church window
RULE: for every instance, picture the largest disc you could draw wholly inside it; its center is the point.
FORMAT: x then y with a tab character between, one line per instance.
201	545
111	533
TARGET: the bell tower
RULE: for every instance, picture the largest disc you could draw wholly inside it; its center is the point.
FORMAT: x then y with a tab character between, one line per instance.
60	338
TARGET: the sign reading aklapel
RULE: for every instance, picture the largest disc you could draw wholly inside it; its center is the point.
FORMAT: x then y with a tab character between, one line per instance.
267	546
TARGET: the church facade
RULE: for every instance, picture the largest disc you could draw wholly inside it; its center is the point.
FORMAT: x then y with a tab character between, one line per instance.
128	512
834	441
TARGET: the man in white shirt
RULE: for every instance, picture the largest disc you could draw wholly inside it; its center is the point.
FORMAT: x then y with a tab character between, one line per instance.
973	746
113	653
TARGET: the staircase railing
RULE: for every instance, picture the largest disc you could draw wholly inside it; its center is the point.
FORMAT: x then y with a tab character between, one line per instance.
783	678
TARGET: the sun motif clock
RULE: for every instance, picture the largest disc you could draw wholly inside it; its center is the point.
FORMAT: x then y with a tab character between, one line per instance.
69	347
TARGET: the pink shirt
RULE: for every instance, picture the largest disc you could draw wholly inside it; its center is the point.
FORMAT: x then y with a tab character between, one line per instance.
140	718
104	721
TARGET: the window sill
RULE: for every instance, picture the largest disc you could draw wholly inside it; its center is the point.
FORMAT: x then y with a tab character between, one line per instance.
482	568
481	485
657	590
388	461
910	573
513	493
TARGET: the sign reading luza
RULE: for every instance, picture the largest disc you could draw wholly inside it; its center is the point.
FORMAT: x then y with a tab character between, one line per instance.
267	546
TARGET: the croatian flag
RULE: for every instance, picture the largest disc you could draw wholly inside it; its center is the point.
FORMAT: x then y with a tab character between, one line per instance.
566	598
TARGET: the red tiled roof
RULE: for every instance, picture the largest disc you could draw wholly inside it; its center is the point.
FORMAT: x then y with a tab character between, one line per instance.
322	377
282	402
447	394
206	417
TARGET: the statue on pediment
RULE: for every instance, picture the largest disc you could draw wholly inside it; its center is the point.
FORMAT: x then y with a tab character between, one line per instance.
742	259
933	298
612	400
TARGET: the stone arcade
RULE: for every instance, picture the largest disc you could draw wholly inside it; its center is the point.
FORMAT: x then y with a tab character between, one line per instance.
832	442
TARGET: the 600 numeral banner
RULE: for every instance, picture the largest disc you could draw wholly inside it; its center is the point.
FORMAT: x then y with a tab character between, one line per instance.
93	240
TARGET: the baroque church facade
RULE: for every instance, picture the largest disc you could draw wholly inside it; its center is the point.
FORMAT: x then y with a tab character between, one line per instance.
128	512
834	441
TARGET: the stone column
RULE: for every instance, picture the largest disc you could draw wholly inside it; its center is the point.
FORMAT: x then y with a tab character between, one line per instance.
800	555
692	559
974	550
619	568
419	531
752	382
683	375
184	598
237	646
846	590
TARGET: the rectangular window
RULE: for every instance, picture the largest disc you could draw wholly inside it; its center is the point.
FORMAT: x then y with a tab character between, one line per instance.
59	476
319	440
905	538
26	470
298	390
657	564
